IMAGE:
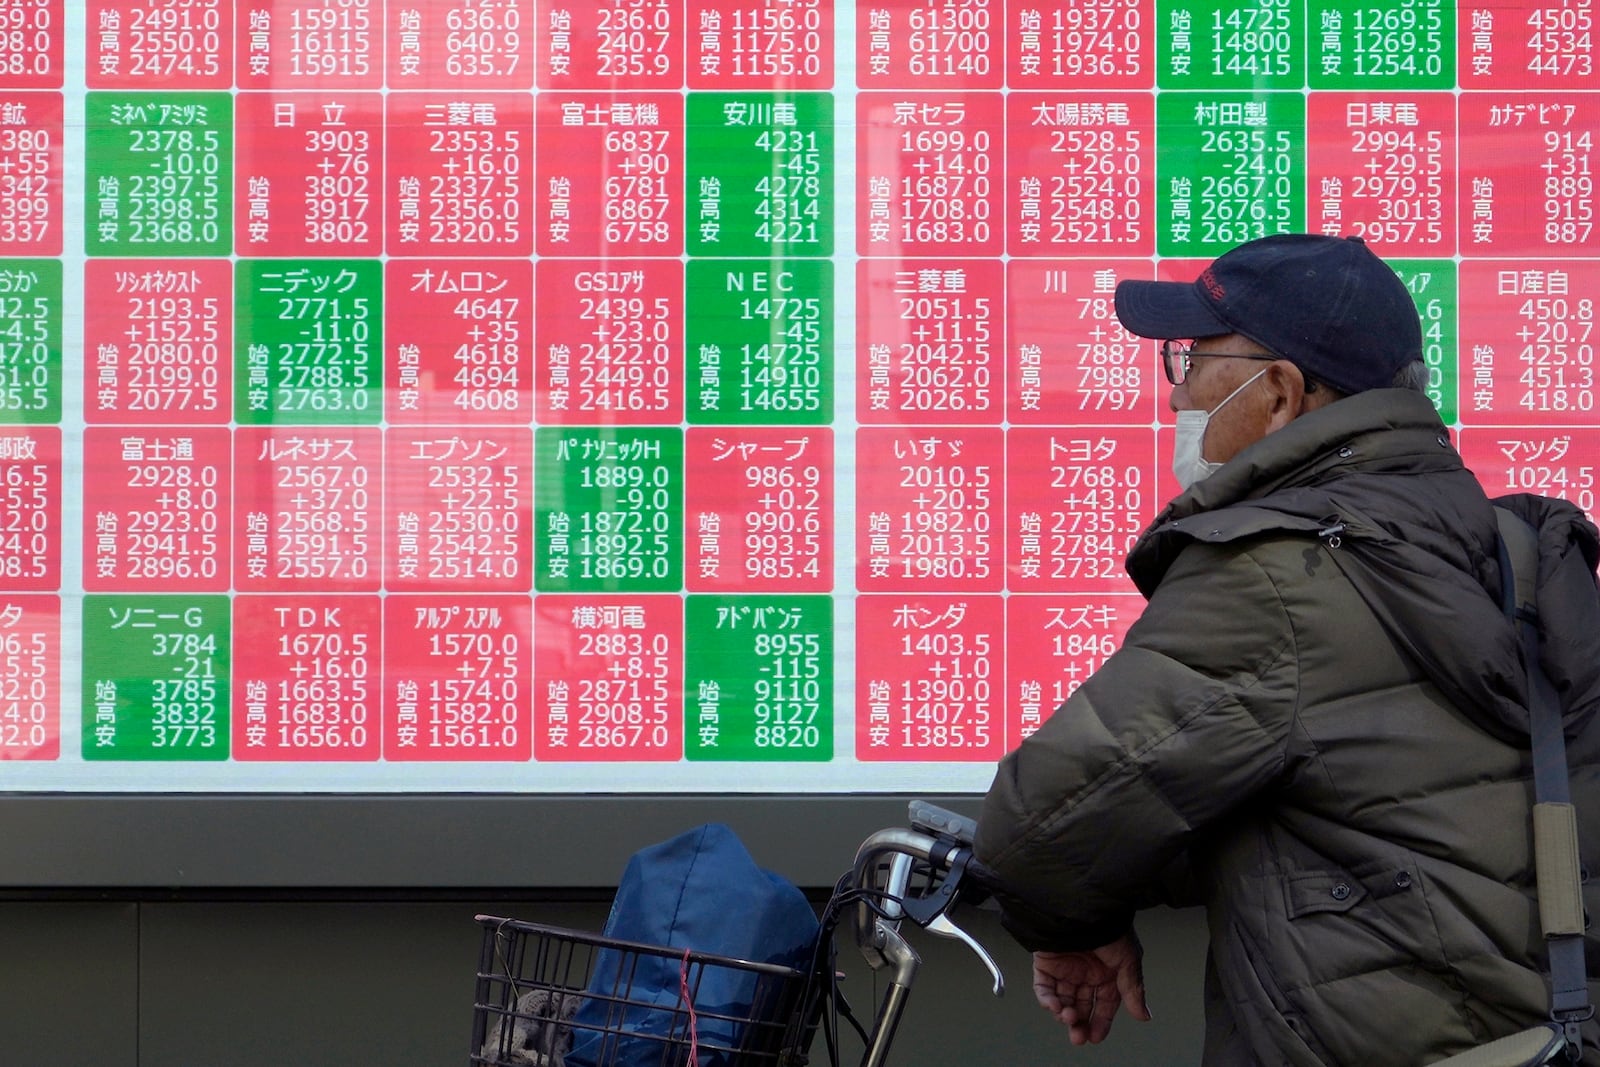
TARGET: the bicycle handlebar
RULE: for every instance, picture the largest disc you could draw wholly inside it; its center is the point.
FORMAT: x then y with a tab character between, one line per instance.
945	854
873	917
913	874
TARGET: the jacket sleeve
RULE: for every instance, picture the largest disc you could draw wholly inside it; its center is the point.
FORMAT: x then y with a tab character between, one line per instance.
1090	815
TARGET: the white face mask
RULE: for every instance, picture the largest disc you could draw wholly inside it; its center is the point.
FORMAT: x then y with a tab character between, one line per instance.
1188	460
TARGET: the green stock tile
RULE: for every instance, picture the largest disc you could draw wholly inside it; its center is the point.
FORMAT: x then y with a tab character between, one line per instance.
759	341
155	677
30	340
758	678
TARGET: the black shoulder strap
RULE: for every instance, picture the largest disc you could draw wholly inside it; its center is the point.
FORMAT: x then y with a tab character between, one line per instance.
1555	823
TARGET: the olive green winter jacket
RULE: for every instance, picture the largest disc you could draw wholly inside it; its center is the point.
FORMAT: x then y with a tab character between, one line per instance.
1316	730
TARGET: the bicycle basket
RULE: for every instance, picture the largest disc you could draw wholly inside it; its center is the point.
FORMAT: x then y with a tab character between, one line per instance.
532	978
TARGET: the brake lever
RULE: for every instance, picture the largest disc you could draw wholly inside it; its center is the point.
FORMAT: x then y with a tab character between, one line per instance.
931	913
924	909
942	926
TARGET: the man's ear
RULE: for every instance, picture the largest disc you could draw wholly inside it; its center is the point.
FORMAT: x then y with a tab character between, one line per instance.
1286	394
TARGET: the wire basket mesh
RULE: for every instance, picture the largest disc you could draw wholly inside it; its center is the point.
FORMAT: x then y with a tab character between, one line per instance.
552	997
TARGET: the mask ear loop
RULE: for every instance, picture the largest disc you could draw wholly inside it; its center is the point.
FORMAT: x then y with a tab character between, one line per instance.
1209	466
1242	386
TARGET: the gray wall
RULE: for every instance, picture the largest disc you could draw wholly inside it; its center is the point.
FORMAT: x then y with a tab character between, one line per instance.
306	931
388	983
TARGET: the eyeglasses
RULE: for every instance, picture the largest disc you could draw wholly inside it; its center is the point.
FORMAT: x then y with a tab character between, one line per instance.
1177	359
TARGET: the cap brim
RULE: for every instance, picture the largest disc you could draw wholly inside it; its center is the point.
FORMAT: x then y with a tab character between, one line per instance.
1166	309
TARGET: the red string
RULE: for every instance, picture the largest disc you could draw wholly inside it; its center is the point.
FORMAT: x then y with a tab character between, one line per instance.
688	1000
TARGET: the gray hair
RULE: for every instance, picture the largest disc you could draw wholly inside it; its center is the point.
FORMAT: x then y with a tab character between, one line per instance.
1413	376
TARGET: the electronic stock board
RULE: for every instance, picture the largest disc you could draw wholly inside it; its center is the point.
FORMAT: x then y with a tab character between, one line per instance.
572	396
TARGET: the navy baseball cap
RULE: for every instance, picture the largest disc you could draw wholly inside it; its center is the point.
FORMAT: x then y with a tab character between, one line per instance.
1329	305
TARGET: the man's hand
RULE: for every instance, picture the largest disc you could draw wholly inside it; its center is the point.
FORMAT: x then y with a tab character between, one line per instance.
1084	989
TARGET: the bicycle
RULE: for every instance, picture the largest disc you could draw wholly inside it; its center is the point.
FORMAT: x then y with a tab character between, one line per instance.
531	977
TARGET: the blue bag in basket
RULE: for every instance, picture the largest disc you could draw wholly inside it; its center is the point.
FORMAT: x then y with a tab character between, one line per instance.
702	891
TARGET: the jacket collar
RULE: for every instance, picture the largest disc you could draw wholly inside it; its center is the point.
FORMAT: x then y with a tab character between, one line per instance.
1321	444
1281	483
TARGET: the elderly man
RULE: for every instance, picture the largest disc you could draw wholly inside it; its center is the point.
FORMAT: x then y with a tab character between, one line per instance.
1317	728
